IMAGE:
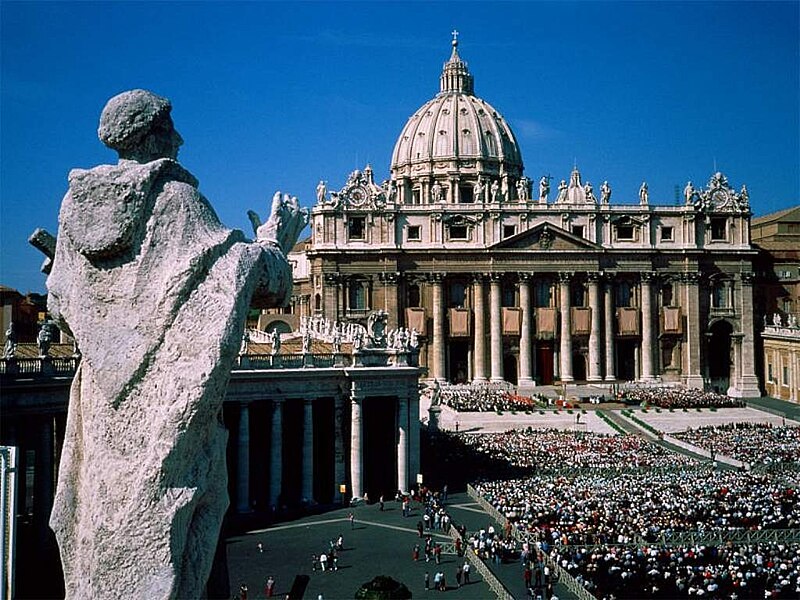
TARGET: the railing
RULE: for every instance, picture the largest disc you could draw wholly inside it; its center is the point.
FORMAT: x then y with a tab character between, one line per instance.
39	367
563	576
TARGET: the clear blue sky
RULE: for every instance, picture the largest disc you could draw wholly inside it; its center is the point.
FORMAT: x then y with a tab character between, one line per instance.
279	95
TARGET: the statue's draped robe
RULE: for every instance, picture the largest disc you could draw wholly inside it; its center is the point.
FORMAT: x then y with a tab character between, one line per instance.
155	291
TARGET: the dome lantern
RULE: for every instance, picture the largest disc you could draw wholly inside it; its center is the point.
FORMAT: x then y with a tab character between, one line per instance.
455	74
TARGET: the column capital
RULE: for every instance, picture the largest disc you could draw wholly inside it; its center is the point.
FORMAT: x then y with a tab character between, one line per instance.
525	276
691	278
594	276
479	277
496	277
437	277
647	276
747	277
389	277
332	277
565	276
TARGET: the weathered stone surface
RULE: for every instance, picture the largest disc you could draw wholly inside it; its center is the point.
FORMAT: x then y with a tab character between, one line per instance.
155	290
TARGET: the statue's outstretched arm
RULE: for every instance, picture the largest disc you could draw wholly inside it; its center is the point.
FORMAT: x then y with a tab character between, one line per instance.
286	221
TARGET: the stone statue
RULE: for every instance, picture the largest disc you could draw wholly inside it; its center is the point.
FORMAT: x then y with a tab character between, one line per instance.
605	193
689	193
776	320
436	192
479	190
245	342
44	339
522	189
589	191
391	191
744	198
544	188
155	290
337	341
414	339
275	338
495	191
644	194
376	328
562	191
358	340
307	342
322	190
10	347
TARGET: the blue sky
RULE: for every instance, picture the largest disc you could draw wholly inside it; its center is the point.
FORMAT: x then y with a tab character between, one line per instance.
279	95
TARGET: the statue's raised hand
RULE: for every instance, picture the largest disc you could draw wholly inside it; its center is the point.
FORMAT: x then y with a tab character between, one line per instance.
286	221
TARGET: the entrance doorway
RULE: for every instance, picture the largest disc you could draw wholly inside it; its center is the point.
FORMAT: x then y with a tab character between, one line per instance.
510	368
626	359
719	356
578	366
544	362
458	367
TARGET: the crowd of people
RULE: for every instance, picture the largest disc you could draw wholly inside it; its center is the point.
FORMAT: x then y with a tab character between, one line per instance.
555	449
677	397
485	398
752	443
596	508
732	571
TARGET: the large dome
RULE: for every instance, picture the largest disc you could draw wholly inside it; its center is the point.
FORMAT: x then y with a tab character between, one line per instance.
459	129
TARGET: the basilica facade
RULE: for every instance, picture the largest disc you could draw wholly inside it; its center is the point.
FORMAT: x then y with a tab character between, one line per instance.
507	279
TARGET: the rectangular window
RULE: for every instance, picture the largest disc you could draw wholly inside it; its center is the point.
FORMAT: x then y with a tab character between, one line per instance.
577	230
413	232
509	230
356	297
458	294
785	375
541	294
509	295
465	195
577	295
770	376
719	229
458	232
667	233
356	228
624	232
415	196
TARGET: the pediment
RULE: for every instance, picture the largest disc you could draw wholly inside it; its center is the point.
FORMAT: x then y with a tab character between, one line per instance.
546	236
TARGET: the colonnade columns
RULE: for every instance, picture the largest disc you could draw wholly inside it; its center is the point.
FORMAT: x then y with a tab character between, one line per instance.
43	476
608	305
594	333
402	443
308	451
749	381
648	330
438	358
565	334
356	439
495	328
413	418
693	377
479	298
339	462
525	353
276	455
243	460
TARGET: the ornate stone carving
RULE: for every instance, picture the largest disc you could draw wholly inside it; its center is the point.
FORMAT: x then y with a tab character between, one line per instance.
719	196
142	270
361	192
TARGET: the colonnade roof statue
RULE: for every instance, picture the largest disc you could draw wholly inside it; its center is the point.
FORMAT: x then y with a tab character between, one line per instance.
155	290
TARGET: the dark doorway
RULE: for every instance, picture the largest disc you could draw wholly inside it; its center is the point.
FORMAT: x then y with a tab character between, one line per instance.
510	368
626	359
719	356
458	367
380	447
292	452
324	453
578	366
544	363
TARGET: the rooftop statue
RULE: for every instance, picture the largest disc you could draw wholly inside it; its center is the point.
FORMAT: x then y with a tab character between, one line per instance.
605	193
143	269
544	188
644	194
10	347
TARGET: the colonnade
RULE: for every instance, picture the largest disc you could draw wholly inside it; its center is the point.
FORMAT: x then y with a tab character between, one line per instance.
348	458
599	342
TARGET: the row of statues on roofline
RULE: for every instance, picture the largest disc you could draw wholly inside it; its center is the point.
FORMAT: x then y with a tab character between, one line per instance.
44	340
497	192
777	321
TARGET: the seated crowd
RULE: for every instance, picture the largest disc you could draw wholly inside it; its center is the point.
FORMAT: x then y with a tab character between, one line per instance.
677	397
732	571
752	443
485	398
554	449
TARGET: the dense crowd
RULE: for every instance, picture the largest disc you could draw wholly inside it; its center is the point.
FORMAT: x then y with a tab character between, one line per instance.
555	449
485	398
630	506
753	443
675	397
732	571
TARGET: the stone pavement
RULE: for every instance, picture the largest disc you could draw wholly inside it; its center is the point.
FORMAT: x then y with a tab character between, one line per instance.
381	543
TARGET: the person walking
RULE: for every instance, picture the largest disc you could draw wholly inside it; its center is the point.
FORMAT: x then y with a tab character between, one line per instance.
415	552
269	589
459	575
427	581
352	519
466	572
323	561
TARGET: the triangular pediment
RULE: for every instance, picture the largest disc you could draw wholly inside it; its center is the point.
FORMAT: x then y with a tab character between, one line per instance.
546	236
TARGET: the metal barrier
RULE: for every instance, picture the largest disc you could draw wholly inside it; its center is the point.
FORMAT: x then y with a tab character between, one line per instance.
561	575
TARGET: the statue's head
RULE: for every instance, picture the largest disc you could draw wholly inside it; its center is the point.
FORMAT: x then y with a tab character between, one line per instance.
137	124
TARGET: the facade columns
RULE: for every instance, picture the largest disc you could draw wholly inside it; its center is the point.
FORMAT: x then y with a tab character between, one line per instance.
608	306
414	441
438	352
648	331
243	461
479	299
402	443
276	455
390	299
693	377
748	382
525	339
594	333
308	451
495	328
565	334
356	440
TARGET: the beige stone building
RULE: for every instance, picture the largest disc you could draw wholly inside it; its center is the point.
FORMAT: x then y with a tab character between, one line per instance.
505	278
778	300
